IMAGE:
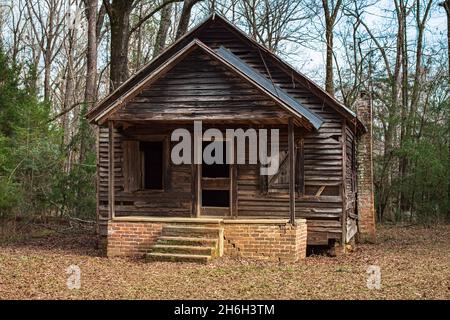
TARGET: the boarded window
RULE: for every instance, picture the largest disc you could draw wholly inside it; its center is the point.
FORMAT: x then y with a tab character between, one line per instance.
279	182
132	165
152	164
322	190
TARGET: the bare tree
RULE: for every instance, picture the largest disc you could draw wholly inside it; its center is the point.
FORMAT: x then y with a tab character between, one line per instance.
90	93
277	24
185	16
47	25
164	24
119	18
331	11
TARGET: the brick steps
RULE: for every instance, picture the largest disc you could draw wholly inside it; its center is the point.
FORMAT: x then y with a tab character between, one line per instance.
178	257
187	243
190	231
163	248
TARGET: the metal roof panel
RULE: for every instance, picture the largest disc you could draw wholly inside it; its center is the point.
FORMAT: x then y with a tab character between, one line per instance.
275	90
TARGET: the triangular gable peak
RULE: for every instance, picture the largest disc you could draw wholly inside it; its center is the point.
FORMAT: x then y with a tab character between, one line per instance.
200	88
272	64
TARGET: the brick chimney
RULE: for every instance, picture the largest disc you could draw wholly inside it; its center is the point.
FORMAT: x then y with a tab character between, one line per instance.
365	188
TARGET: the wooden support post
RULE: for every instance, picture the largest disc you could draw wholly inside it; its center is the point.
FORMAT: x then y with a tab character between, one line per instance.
300	168
111	198
196	190
233	186
291	142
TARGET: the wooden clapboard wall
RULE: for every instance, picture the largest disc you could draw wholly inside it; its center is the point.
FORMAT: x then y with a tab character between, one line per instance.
350	183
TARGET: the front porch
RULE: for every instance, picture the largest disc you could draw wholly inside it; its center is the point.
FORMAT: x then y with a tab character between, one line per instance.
137	186
202	239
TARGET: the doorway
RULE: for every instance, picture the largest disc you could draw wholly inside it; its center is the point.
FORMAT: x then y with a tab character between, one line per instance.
215	185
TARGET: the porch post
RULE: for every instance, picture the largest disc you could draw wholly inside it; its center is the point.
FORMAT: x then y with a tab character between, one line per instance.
111	199
291	142
195	168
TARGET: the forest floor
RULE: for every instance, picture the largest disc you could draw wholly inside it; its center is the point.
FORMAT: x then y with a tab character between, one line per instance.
414	263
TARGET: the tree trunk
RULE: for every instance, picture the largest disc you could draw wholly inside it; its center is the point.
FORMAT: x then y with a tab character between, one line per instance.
185	17
119	17
330	20
48	53
90	93
404	135
164	25
446	5
329	86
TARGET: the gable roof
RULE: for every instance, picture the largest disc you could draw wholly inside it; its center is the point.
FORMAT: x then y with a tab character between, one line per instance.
240	68
170	51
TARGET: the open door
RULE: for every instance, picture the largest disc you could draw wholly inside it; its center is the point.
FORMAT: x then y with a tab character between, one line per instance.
215	186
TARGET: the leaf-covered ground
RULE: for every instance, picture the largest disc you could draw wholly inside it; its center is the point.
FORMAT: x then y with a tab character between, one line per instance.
414	263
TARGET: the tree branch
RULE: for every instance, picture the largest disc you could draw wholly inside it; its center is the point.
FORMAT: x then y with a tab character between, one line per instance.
148	16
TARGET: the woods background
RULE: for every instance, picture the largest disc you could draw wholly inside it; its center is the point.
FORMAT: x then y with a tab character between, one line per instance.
59	57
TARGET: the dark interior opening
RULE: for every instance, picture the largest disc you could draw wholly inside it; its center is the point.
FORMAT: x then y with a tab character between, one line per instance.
216	170
215	198
153	164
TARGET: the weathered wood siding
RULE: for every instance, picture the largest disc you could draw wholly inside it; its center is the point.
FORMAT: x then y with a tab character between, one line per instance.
350	183
198	88
253	199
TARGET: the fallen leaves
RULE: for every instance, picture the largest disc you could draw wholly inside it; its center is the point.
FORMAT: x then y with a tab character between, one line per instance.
414	262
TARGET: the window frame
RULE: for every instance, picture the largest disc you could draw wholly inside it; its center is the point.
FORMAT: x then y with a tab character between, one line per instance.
165	165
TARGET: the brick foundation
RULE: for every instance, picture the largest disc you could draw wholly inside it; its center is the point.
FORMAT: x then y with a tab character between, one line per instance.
131	239
270	242
273	241
366	206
